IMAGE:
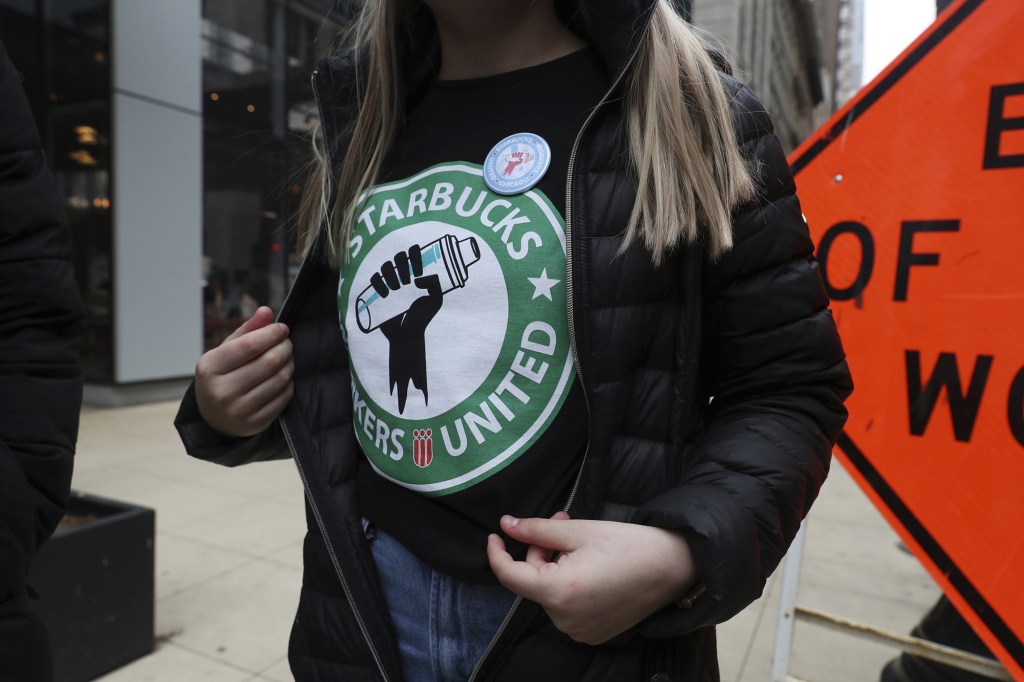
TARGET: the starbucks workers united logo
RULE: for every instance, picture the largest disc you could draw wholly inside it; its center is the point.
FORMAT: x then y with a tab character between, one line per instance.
453	305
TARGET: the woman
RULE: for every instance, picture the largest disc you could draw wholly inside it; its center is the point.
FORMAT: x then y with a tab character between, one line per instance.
584	354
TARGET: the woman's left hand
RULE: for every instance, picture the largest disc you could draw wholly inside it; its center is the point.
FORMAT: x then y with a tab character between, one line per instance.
607	578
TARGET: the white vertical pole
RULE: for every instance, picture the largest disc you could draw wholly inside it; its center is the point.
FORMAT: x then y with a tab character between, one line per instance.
787	606
157	188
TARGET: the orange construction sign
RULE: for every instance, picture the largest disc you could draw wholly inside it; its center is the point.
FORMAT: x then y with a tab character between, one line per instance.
915	196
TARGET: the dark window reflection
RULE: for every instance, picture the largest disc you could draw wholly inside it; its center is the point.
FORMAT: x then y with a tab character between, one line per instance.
63	51
257	112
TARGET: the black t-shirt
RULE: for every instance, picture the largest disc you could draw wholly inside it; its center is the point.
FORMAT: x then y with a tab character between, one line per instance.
453	304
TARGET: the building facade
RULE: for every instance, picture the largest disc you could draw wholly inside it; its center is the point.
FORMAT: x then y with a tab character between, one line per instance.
177	133
849	71
793	53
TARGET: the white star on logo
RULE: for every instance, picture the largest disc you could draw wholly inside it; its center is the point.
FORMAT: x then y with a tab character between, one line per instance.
542	285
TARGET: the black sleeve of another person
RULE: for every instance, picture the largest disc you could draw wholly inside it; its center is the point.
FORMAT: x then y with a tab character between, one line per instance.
41	320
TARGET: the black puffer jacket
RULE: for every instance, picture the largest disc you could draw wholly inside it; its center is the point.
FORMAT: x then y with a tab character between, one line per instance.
735	474
40	385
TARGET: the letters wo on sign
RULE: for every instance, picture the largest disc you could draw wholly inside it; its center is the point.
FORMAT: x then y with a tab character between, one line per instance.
913	193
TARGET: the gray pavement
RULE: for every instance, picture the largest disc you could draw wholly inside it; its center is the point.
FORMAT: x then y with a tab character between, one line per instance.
228	564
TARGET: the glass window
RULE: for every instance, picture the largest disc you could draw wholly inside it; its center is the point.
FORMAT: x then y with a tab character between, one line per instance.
257	113
62	50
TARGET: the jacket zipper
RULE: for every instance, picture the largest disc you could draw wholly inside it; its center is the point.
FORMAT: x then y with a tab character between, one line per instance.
305	483
330	550
572	324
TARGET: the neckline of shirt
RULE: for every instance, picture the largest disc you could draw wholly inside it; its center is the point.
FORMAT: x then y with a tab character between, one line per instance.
537	71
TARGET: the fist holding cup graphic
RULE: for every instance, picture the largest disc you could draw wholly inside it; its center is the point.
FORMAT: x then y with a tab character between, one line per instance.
405	295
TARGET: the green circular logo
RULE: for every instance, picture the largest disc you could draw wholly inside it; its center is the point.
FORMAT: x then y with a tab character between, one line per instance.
453	306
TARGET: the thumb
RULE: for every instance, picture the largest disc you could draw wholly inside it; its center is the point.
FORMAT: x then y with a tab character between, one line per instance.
261	318
558	533
430	283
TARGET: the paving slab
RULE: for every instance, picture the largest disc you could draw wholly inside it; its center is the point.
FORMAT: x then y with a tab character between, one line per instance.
172	663
242	617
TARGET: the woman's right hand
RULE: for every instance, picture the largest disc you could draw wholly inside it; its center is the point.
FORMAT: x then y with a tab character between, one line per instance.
243	384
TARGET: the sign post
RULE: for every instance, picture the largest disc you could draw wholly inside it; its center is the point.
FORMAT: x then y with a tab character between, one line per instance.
915	196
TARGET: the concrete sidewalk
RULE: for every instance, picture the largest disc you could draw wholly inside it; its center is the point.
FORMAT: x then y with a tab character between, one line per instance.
229	557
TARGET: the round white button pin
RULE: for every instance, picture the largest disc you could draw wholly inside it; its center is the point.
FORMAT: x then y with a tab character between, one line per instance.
517	163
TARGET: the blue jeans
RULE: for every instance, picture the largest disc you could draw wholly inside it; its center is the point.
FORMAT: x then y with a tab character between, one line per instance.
443	625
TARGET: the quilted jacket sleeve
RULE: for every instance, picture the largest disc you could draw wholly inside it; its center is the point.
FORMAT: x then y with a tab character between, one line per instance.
202	441
40	324
774	366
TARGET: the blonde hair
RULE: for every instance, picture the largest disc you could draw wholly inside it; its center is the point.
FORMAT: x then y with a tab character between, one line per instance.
683	148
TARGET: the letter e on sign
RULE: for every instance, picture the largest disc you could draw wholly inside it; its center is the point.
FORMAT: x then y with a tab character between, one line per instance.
1000	126
913	193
